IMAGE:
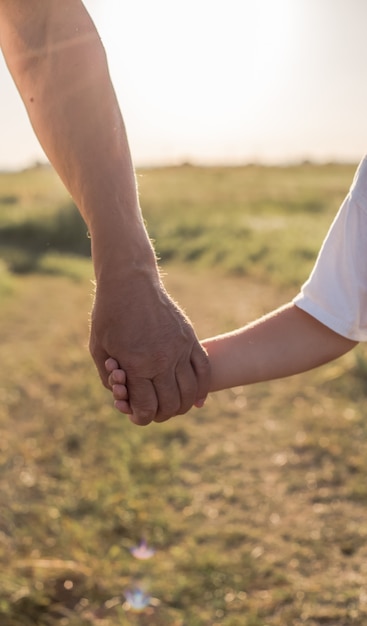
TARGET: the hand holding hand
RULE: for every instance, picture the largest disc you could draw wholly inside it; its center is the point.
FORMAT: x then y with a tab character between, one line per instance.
137	324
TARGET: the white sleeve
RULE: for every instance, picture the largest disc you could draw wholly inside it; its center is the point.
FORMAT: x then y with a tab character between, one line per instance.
336	291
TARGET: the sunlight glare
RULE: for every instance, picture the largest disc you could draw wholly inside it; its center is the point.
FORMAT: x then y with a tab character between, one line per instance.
198	72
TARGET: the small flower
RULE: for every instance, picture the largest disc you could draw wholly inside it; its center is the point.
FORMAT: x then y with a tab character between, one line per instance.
137	599
142	551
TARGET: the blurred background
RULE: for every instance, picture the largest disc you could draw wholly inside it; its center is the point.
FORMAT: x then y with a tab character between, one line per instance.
246	120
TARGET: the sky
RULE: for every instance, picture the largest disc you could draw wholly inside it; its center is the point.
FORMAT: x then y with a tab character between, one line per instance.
225	81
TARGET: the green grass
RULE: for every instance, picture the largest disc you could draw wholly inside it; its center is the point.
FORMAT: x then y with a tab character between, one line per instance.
263	222
255	504
266	223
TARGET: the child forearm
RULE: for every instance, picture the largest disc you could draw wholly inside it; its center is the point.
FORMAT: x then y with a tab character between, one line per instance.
285	342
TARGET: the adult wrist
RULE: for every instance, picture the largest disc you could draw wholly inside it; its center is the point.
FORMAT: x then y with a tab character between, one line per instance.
124	257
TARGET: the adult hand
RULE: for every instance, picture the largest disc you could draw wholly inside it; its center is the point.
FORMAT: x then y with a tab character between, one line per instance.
136	323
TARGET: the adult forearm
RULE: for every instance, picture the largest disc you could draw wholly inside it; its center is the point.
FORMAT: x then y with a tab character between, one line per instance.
59	66
285	342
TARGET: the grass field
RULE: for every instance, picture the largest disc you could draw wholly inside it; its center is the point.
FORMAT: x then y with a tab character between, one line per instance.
256	504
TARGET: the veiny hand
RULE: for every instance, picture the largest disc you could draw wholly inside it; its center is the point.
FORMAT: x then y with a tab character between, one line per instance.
136	323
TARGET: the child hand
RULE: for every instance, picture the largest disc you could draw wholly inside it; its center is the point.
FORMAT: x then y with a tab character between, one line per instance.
117	382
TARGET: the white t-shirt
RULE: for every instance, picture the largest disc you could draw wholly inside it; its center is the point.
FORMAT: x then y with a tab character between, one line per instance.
336	291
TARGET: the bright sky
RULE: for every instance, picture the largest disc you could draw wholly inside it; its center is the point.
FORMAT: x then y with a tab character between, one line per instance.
213	81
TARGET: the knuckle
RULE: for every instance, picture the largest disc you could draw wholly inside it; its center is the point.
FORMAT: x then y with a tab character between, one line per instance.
185	407
141	421
161	417
143	416
169	408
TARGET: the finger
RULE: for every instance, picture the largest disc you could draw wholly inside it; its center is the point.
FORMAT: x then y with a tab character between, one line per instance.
143	400
120	392
111	364
134	420
199	403
123	406
117	377
168	395
200	364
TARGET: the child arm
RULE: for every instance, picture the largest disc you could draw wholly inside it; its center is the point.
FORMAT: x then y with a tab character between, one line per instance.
285	342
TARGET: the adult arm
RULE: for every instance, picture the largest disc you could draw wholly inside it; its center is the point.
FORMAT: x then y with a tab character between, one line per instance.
285	342
58	63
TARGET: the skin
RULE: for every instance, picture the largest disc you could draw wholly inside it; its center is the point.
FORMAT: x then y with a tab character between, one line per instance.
285	342
58	63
